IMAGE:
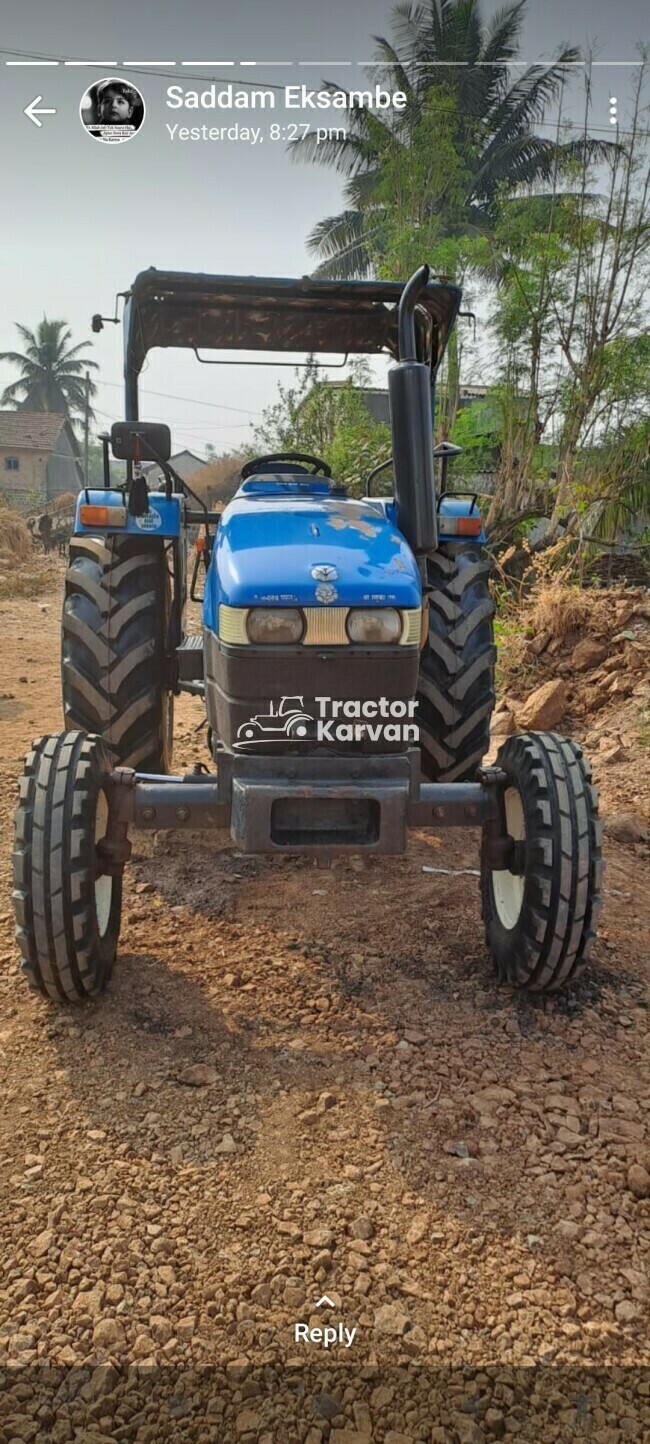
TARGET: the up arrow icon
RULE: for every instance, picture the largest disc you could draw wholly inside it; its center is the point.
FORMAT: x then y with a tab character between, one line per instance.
319	1302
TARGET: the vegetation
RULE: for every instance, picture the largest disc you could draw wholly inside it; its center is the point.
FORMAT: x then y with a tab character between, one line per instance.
484	177
96	466
218	481
437	167
331	421
52	372
570	318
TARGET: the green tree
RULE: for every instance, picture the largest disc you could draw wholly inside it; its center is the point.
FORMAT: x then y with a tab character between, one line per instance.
96	466
449	62
423	191
571	318
52	372
613	487
571	361
327	420
533	246
478	430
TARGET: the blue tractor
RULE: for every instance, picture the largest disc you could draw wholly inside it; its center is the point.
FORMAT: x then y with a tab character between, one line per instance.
346	658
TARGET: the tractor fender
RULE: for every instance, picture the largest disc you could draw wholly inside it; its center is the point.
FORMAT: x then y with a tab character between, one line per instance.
164	517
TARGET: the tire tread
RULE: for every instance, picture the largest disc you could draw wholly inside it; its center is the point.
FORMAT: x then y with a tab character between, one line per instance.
456	684
550	944
114	646
62	952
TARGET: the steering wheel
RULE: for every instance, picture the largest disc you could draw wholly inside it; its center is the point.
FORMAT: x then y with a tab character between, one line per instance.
319	467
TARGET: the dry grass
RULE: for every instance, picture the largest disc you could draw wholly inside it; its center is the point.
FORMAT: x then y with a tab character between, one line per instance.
24	571
32	578
67	501
15	539
553	608
219	480
560	610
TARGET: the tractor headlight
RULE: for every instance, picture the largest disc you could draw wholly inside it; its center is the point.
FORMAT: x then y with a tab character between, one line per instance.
274	625
376	626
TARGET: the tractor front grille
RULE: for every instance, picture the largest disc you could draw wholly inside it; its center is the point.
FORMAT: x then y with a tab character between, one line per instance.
243	683
324	626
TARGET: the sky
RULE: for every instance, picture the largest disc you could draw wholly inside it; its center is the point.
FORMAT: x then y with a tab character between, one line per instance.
80	218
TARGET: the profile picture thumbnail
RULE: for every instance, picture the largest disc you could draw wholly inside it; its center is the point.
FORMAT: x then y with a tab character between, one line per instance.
112	110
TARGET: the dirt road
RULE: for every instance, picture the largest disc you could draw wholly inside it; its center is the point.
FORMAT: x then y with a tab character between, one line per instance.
304	1082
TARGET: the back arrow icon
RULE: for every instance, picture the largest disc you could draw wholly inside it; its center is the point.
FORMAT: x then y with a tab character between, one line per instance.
32	113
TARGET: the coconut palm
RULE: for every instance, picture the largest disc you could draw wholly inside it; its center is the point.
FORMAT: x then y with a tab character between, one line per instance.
52	373
444	45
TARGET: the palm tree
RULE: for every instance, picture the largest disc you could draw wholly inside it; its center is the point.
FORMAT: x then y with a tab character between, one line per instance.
52	373
443	45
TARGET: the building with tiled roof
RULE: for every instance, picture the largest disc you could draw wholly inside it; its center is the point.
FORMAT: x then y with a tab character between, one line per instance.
39	455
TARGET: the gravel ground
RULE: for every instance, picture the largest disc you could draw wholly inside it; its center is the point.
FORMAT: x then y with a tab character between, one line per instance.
305	1082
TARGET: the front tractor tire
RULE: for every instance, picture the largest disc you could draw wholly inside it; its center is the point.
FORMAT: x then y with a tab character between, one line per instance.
115	623
67	907
541	917
456	683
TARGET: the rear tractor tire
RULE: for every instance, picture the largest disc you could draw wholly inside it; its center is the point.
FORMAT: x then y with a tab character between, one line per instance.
541	918
115	624
67	908
456	683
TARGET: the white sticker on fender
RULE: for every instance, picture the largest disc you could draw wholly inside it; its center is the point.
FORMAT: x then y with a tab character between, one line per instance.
151	521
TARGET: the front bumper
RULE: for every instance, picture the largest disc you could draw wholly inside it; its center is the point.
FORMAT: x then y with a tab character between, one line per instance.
315	805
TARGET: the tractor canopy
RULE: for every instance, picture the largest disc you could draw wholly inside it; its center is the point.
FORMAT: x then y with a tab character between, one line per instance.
251	313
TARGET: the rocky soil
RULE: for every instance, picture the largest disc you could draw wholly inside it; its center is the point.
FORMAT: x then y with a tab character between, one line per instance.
305	1082
593	682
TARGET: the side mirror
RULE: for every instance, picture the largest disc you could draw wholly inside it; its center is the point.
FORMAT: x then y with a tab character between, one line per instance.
141	441
447	449
444	452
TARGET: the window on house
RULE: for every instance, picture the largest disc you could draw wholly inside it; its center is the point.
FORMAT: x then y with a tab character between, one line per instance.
12	463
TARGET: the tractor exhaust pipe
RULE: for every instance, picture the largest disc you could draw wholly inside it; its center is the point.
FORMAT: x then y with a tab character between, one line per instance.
411	424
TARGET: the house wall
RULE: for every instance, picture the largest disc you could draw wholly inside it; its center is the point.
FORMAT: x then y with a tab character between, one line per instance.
184	463
376	402
31	474
63	470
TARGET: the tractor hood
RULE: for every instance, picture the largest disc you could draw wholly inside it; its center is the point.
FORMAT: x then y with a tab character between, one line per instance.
280	548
